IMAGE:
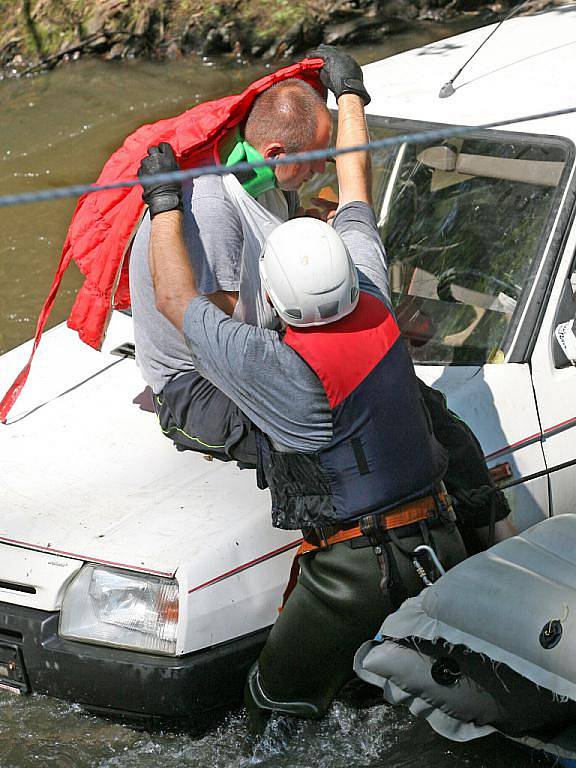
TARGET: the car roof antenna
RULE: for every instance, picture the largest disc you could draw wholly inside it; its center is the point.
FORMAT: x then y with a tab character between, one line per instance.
448	87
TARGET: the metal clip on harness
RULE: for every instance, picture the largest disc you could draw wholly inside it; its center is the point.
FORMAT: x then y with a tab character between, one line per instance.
420	570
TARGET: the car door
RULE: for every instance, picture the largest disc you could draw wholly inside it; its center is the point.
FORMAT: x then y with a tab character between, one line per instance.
554	378
497	402
467	225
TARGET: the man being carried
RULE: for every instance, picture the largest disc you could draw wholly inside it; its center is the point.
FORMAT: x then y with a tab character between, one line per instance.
344	442
225	222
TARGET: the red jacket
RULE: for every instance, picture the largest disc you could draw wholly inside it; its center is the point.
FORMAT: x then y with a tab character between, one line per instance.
104	223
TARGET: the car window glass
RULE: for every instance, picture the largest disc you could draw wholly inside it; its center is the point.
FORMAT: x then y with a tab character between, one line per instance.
464	223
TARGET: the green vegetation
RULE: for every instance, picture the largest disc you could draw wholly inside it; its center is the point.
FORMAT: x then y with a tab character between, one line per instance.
46	30
40	33
271	20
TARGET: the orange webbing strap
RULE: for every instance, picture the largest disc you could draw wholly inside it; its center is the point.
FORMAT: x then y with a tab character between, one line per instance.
336	538
409	513
292	579
404	515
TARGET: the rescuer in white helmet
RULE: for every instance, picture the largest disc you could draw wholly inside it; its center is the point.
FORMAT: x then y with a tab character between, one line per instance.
308	273
344	443
226	219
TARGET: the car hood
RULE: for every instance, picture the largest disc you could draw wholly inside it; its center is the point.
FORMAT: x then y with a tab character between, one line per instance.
86	473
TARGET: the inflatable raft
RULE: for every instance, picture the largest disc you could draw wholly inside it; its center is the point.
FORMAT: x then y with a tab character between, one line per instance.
490	647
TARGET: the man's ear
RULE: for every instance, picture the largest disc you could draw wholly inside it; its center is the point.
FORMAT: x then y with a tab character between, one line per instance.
275	149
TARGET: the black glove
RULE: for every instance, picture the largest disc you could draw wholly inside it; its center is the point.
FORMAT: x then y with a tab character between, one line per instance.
160	196
340	73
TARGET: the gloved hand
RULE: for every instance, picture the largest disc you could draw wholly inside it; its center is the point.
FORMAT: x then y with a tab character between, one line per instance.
340	73
160	196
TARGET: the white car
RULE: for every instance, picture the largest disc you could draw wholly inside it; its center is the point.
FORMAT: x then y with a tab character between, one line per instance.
141	581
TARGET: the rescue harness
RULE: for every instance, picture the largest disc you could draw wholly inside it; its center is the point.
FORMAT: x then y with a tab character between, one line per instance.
381	530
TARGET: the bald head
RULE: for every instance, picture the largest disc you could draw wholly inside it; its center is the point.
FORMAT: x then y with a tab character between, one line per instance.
288	113
289	117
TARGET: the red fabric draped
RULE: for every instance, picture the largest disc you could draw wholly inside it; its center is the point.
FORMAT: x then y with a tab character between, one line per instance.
104	222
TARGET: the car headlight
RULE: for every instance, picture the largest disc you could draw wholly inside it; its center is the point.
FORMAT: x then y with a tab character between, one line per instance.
123	609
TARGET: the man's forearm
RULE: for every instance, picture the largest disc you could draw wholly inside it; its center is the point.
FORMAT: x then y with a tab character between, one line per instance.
224	300
354	169
172	274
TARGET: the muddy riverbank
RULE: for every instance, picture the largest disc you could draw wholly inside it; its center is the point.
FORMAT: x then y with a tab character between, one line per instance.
40	34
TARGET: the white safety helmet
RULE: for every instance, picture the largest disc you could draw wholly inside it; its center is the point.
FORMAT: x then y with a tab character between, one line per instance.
308	274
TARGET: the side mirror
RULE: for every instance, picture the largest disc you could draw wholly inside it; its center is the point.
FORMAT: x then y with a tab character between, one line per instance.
565	334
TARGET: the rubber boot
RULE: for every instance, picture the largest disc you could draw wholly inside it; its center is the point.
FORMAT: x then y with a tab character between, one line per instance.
259	706
257	716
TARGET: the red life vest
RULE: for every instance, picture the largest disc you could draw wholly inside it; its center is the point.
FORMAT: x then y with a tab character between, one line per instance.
382	453
104	222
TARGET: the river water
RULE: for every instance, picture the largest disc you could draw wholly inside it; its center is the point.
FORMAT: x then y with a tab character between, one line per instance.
58	129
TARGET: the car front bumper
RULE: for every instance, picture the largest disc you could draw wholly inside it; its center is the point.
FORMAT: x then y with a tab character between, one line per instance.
135	686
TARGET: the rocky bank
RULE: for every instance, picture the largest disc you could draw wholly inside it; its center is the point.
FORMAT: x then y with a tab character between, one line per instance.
40	34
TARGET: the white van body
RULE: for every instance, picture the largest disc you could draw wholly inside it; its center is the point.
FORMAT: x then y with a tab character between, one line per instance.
87	480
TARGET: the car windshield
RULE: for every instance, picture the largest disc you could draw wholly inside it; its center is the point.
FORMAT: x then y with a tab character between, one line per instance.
464	222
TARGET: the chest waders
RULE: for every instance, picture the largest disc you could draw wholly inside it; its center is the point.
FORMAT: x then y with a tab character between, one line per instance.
384	533
423	557
341	596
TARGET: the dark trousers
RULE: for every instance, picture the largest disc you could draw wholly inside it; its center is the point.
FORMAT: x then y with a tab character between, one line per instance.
197	416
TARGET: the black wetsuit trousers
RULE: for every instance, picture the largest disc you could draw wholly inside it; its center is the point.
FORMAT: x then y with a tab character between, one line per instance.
197	416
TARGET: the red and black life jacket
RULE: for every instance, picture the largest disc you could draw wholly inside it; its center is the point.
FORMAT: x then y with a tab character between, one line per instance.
382	453
105	222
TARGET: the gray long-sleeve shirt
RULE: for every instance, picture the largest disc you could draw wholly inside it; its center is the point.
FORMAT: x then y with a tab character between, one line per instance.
271	384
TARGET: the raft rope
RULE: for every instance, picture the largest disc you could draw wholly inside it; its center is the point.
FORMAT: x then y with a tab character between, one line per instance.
59	193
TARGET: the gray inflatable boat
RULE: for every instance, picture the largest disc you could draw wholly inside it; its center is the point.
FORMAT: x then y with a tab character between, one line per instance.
491	646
